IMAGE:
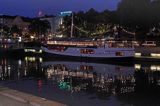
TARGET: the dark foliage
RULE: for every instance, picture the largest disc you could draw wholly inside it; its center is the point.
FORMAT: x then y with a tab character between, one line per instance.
134	15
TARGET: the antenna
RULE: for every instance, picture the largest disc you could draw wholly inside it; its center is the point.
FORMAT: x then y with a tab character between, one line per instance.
1	21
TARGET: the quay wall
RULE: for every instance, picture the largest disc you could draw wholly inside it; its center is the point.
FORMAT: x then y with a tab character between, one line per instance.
146	51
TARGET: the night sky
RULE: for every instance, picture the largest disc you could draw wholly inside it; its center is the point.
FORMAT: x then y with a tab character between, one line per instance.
52	7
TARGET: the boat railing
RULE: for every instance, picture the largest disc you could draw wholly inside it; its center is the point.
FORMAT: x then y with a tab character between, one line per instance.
110	44
68	43
149	44
119	44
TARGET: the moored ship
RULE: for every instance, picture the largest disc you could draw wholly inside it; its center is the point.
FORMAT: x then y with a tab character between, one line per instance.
90	49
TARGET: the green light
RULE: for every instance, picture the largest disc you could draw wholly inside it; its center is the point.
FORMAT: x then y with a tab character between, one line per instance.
64	85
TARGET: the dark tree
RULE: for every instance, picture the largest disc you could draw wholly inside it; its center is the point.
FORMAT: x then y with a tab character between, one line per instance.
15	29
39	27
139	14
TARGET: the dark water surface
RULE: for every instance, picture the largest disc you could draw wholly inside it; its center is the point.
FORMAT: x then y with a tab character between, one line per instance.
78	83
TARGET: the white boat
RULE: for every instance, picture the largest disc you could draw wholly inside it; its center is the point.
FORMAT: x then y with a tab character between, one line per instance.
90	49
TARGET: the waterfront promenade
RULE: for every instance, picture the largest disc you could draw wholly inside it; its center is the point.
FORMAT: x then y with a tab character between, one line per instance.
7	101
9	97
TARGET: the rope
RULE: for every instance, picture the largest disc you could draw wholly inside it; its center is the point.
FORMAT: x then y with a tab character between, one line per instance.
81	29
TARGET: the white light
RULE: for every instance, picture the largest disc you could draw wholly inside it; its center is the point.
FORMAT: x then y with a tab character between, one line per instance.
9	68
40	51
32	37
33	50
153	68
66	12
19	39
55	42
59	36
31	59
155	55
158	68
40	60
25	50
29	50
137	54
137	66
9	40
26	58
19	62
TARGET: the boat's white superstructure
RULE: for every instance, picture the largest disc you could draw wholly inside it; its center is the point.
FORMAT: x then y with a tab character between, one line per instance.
90	49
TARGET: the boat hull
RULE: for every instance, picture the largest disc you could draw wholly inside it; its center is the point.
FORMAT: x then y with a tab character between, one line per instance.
115	59
88	58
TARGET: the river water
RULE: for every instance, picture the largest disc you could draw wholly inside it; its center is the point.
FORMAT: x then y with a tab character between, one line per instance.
78	83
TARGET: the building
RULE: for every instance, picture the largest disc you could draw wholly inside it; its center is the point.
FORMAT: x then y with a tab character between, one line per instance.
22	23
55	22
10	21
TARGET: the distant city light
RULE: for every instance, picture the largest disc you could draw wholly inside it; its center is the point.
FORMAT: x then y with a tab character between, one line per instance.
19	39
40	60
19	62
32	37
40	13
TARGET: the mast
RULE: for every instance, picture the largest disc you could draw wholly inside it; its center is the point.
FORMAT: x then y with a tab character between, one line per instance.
69	13
1	19
72	24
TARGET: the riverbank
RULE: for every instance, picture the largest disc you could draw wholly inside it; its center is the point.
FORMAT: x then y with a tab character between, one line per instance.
17	97
6	101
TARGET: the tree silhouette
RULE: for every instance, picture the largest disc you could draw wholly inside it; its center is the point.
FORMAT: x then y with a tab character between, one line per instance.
39	27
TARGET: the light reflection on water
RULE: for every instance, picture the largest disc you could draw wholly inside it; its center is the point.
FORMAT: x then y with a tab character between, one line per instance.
74	83
86	76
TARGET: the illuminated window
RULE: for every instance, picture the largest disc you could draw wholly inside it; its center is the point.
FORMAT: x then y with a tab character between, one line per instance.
119	54
87	51
86	68
57	48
